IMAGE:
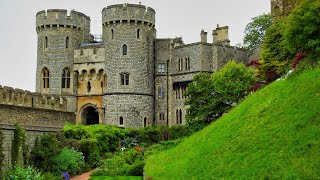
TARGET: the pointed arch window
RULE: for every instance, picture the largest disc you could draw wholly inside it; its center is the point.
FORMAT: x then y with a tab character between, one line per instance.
67	42
45	78
65	81
121	121
124	49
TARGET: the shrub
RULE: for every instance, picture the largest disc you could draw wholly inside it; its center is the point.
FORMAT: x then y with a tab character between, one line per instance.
69	160
44	152
18	144
116	166
90	151
163	146
136	169
17	173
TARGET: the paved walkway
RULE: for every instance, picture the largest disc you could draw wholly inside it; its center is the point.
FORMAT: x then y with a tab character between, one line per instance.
84	176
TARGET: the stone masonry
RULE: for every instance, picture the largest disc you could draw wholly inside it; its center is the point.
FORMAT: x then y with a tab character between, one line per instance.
128	78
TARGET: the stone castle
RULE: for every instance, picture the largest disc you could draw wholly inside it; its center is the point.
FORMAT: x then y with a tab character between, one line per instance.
127	77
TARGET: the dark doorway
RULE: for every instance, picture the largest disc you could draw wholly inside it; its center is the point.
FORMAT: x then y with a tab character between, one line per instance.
90	115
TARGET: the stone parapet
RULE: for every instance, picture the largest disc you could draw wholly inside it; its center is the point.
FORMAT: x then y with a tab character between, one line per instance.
18	97
60	18
126	13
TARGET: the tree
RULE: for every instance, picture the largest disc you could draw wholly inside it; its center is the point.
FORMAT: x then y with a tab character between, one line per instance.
209	96
232	81
274	57
255	31
302	31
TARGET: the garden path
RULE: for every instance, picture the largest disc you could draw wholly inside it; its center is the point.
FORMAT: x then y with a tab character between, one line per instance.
84	176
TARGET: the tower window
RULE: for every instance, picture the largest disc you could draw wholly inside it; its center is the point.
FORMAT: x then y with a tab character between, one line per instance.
65	81
112	34
161	116
161	68
46	42
121	121
138	34
161	92
45	78
124	78
67	42
180	116
124	49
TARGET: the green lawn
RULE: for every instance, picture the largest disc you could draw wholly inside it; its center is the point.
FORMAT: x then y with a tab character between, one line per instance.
116	178
273	134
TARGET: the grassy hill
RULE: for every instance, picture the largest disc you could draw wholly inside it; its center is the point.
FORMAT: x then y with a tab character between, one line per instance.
273	134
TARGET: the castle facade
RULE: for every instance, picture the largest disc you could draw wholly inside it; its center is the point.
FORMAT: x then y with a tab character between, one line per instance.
127	77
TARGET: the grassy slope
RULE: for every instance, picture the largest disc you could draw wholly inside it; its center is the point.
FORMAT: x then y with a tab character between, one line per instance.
274	133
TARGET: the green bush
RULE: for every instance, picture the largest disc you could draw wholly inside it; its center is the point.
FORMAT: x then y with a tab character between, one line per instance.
162	146
19	173
90	151
115	166
18	146
136	169
45	150
69	160
50	176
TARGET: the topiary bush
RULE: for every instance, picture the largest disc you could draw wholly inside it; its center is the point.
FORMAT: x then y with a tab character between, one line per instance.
18	144
69	160
19	173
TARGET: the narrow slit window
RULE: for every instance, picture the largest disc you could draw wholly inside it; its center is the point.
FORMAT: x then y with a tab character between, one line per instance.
121	121
112	34
67	42
124	49
46	42
138	34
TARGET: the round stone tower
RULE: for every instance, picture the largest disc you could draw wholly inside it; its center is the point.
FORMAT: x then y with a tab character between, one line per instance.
59	33
129	36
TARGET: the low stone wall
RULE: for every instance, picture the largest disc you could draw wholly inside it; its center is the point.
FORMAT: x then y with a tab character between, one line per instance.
35	121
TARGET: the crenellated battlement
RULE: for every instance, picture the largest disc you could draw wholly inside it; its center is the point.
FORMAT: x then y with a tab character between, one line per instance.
128	13
18	97
60	18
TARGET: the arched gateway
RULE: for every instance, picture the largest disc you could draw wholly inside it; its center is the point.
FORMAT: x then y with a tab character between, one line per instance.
90	115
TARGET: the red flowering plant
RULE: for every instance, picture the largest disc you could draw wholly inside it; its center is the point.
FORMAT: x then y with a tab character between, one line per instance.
298	58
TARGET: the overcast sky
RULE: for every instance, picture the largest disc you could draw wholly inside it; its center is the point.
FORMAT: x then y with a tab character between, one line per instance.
181	18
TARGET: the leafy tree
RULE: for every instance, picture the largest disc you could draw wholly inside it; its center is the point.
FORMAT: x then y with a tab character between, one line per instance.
255	31
209	96
232	81
275	58
302	31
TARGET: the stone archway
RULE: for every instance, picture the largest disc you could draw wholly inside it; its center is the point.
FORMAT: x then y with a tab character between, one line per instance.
90	115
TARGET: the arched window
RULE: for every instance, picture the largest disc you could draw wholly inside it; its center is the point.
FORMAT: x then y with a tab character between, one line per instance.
124	78
138	34
65	81
124	49
121	121
67	42
145	122
46	42
45	78
112	34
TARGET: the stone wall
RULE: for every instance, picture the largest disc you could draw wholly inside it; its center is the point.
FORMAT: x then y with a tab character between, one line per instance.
36	121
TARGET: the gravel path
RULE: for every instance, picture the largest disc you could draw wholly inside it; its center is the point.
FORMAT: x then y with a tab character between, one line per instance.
84	176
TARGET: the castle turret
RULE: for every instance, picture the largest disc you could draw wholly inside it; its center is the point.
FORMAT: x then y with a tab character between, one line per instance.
58	35
129	34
